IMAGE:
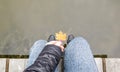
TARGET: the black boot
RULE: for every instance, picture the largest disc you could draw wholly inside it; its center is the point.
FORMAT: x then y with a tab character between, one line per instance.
51	38
70	37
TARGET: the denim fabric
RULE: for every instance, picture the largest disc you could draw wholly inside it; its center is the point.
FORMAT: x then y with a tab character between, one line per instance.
78	56
35	51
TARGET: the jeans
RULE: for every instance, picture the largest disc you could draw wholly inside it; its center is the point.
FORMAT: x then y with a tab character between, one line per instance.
77	58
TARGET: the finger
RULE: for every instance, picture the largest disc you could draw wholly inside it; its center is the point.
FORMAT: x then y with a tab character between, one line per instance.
62	48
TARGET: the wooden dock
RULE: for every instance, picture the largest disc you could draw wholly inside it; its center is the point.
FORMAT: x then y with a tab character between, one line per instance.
18	65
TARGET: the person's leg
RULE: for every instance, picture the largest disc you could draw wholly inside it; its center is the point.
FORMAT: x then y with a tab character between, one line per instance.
78	57
35	51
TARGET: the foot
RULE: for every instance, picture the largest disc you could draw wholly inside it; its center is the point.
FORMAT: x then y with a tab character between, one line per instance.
51	38
70	37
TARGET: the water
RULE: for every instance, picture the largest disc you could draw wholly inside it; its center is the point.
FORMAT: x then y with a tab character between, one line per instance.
24	22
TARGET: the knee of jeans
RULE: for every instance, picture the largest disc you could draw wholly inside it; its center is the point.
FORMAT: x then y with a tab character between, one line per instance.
79	40
76	43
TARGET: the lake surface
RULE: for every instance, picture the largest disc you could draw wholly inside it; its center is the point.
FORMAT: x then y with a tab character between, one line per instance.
25	21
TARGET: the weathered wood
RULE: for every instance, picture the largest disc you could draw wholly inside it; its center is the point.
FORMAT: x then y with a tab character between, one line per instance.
112	64
25	63
17	65
99	64
2	65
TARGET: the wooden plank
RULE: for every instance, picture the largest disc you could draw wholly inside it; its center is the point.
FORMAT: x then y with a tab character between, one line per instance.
2	65
17	65
113	64
25	63
99	64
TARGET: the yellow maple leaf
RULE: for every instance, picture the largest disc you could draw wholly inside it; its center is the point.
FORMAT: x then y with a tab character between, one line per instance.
61	36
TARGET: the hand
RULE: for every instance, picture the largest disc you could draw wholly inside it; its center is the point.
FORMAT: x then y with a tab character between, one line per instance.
57	43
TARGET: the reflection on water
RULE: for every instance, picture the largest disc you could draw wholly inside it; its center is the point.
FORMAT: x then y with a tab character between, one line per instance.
24	22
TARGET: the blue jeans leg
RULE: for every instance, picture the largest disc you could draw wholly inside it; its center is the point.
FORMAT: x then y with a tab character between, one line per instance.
78	57
35	51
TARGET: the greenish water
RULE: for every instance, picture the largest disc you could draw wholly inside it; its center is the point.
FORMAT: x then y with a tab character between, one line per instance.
22	22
